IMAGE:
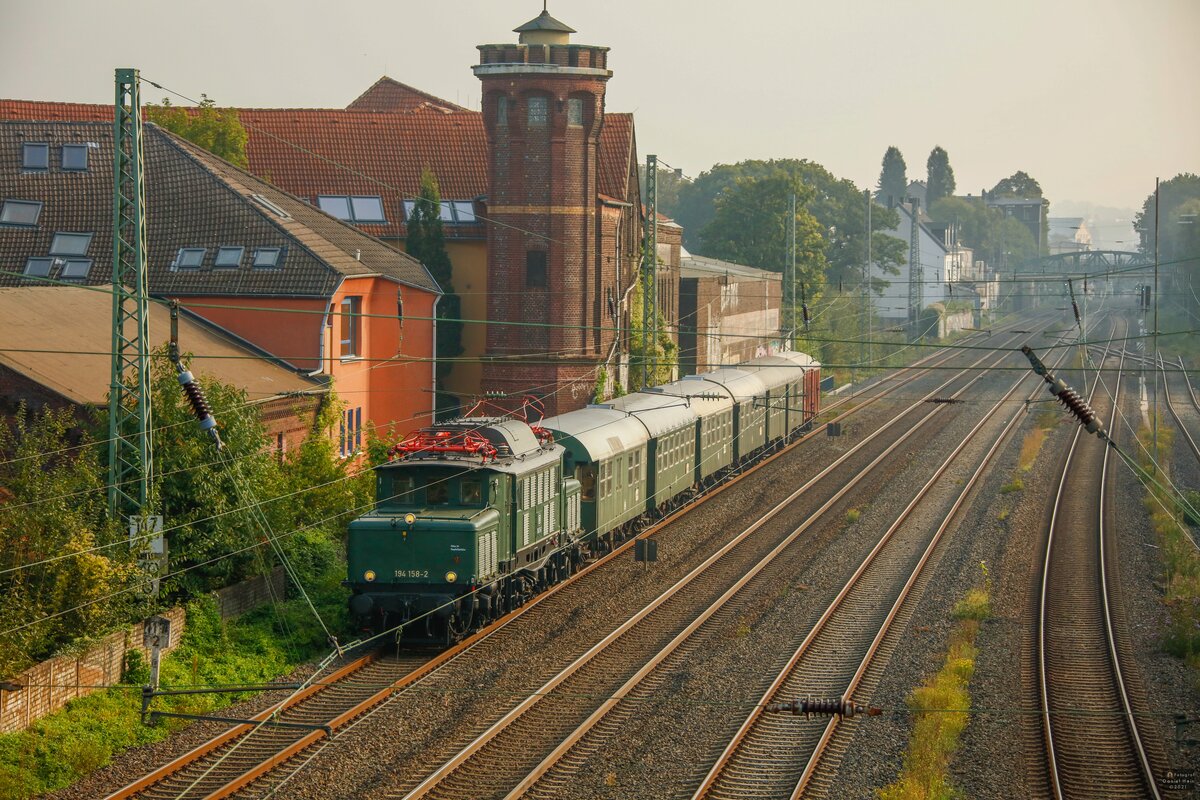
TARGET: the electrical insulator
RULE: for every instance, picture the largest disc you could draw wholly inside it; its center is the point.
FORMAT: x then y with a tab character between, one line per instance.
823	707
200	408
1076	405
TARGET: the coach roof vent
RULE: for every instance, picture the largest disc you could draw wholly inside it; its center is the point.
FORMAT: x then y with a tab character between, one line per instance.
544	29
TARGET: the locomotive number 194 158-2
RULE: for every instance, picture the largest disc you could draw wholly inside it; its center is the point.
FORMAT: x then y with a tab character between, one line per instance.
412	573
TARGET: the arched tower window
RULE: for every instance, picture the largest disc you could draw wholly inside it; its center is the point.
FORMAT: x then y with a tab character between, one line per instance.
538	109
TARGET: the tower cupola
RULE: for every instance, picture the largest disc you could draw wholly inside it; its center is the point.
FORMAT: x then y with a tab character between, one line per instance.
544	29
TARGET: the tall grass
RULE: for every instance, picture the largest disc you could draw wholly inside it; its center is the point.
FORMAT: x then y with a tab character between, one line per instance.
941	708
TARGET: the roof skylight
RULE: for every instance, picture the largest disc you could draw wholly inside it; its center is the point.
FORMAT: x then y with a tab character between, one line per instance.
35	155
70	244
75	157
20	212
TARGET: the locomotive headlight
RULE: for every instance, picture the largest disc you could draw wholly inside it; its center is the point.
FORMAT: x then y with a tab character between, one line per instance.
409	519
451	577
369	575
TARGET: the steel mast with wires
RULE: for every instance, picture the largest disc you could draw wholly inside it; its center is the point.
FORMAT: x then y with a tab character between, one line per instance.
130	459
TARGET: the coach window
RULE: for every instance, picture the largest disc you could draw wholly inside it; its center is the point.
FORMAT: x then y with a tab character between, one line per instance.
472	493
587	476
404	490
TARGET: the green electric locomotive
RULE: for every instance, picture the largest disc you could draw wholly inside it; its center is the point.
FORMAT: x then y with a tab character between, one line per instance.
472	518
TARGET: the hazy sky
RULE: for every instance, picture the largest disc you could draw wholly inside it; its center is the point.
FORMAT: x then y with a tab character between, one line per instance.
1094	99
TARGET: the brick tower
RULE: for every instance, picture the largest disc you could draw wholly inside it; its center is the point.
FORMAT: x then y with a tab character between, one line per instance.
543	108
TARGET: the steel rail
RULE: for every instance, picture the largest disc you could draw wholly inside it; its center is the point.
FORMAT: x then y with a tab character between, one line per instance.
1175	412
480	742
876	392
739	742
1044	680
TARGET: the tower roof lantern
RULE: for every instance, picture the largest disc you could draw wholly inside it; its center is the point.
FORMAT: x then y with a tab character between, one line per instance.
544	29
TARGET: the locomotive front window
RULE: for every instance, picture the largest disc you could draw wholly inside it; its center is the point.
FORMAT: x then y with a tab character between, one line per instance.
404	491
472	493
437	493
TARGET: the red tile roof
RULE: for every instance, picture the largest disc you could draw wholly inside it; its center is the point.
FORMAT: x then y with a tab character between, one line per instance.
617	152
55	112
311	152
387	94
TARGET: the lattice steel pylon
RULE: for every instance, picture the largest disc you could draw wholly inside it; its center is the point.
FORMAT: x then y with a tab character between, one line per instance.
650	277
916	272
129	418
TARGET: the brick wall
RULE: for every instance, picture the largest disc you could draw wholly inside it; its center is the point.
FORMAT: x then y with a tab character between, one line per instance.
50	685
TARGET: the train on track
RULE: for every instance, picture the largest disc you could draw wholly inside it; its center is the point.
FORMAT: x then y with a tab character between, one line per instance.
475	516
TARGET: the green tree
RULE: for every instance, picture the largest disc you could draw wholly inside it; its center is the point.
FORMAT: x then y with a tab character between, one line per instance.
217	130
837	204
893	180
1023	186
1001	241
751	227
940	176
426	242
52	503
670	182
652	360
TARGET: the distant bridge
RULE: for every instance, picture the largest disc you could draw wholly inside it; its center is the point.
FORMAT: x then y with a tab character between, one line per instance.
1085	262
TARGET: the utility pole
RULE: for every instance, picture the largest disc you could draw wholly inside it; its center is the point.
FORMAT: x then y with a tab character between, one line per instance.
867	283
789	277
129	417
916	272
1154	330
650	276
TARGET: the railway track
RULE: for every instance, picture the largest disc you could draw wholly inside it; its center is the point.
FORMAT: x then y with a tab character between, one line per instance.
1187	412
244	754
782	755
534	739
1092	742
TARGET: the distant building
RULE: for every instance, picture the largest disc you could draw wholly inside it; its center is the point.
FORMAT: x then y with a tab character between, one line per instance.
919	191
540	202
893	304
1029	211
320	296
1069	235
52	335
728	313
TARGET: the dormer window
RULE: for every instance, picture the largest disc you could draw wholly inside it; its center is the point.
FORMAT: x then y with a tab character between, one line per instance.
538	108
35	156
75	157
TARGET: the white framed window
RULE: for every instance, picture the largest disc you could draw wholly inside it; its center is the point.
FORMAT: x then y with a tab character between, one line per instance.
20	212
351	326
189	258
70	244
